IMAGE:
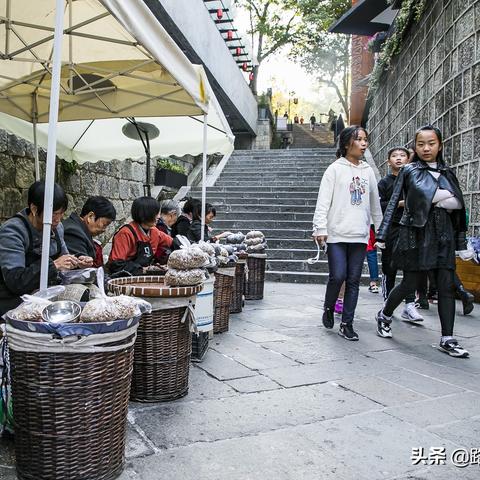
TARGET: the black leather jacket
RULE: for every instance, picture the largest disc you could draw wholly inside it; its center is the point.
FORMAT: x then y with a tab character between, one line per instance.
418	187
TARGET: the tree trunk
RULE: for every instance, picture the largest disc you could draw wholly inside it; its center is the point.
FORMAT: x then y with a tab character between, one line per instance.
254	81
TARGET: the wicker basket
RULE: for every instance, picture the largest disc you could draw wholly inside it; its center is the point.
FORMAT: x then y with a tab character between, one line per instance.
70	410
255	283
162	356
238	287
200	343
222	297
164	341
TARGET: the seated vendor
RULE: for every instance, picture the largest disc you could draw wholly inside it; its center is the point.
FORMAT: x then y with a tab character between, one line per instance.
21	248
96	215
168	216
182	225
195	230
134	245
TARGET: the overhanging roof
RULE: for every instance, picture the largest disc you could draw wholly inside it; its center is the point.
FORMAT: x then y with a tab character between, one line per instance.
366	17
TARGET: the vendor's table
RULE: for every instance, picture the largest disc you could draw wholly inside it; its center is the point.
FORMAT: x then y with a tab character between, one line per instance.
164	341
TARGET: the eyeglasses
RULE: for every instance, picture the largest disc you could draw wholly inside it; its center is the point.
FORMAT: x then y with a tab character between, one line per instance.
321	249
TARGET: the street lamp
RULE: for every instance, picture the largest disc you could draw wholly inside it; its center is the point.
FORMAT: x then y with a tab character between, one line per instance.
290	97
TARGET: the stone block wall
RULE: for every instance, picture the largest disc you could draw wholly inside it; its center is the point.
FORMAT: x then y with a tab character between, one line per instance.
436	79
119	180
264	135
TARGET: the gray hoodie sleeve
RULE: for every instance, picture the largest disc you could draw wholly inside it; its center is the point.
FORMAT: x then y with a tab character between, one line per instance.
14	243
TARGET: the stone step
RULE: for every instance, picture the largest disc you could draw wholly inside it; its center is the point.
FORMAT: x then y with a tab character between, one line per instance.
300	265
285	153
270	177
291	253
239	224
259	204
289	243
252	189
277	233
292	164
304	277
277	184
264	209
300	172
259	197
278	217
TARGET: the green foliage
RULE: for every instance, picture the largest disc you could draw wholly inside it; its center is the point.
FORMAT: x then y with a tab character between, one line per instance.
166	164
263	101
69	168
410	12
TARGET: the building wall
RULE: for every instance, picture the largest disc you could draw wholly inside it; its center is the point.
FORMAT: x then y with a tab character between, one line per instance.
436	79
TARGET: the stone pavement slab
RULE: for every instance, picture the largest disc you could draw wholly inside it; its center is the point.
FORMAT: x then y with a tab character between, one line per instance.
280	397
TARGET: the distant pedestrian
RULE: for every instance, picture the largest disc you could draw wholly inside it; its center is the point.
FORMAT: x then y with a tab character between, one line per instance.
295	119
347	200
302	120
432	228
313	121
285	115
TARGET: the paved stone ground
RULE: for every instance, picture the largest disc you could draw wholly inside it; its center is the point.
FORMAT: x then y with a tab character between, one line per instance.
281	398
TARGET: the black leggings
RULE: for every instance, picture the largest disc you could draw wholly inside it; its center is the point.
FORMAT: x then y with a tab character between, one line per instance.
446	295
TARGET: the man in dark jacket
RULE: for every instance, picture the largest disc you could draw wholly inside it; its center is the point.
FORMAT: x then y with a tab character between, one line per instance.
79	230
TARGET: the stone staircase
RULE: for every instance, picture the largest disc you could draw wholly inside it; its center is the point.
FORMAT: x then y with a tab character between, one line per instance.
274	191
304	138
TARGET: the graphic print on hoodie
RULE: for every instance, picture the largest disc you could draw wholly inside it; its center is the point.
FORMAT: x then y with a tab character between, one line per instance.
348	203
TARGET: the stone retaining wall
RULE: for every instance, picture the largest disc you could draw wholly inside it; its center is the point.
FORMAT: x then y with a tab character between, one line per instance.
436	79
119	180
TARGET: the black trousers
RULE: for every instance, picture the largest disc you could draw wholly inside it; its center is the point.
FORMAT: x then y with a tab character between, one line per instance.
389	275
445	282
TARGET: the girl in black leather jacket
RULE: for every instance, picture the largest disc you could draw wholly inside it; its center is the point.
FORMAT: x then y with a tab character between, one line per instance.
432	227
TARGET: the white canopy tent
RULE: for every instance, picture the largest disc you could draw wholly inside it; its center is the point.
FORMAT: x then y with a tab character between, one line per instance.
67	60
102	140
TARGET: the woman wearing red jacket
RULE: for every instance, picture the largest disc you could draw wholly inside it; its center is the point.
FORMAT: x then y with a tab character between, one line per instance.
134	245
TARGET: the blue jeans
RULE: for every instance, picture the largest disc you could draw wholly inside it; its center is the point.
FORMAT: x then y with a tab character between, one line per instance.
373	265
345	263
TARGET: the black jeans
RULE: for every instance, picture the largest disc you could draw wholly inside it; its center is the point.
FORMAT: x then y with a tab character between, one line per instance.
345	263
446	295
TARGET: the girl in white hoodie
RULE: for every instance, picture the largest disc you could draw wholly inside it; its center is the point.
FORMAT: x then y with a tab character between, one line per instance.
347	203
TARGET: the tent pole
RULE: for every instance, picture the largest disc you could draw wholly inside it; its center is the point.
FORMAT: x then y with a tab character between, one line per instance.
35	149
52	142
204	174
35	140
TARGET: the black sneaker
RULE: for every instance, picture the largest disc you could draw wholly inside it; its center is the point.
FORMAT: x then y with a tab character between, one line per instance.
347	332
384	329
422	303
328	318
452	348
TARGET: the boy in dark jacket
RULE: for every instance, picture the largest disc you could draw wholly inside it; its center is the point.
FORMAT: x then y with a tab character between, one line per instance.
397	158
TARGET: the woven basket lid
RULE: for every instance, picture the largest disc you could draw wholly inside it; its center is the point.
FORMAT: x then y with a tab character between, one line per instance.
149	286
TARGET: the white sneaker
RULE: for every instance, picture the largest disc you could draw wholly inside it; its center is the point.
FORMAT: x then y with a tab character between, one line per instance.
410	313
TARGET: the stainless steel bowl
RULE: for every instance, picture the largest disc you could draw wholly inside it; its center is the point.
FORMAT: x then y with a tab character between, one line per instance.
64	311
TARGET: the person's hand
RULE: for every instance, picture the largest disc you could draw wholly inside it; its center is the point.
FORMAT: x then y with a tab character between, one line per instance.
380	245
401	203
66	262
84	261
321	239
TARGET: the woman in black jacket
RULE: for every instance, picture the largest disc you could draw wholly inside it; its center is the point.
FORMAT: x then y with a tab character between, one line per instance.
182	225
432	227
